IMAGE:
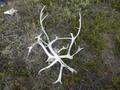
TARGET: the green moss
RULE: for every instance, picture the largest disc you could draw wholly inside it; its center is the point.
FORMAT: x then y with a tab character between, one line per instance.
3	27
117	81
117	48
48	2
116	4
1	20
91	36
89	75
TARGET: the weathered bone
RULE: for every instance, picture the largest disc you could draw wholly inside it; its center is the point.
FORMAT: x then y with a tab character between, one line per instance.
54	53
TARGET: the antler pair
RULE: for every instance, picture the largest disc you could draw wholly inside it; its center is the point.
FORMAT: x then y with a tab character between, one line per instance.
54	54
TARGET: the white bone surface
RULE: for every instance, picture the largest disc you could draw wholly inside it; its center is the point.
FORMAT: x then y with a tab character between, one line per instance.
54	53
11	12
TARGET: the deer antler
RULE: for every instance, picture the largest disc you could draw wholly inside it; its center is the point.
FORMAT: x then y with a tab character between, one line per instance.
53	55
